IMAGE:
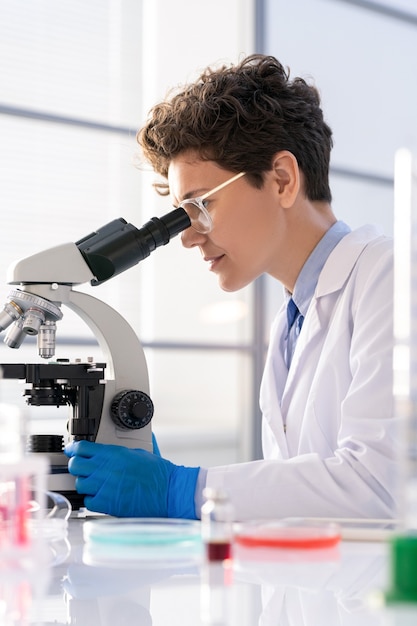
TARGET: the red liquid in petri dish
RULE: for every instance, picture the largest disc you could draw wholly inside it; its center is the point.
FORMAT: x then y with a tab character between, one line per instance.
218	551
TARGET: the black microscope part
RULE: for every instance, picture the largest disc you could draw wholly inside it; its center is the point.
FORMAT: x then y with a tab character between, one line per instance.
117	246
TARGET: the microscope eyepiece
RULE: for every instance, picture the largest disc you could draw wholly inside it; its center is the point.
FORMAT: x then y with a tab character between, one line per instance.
117	246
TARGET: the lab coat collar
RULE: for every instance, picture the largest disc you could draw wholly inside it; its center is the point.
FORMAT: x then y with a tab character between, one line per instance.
343	258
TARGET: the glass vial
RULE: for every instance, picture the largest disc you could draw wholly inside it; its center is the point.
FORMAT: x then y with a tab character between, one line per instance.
217	524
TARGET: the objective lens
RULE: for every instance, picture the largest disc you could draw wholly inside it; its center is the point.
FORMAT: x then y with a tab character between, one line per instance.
46	339
15	335
11	312
33	320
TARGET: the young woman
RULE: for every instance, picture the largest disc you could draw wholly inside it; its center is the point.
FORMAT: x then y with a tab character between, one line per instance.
245	152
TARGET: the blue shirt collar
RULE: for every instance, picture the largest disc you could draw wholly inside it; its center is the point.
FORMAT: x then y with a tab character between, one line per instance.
308	277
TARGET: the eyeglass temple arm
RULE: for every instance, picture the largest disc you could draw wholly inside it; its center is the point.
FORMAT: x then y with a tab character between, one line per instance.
227	182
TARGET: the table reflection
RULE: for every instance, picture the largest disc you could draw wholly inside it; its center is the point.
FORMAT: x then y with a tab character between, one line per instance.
269	588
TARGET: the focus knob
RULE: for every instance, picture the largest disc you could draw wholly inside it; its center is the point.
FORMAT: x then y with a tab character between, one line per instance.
131	409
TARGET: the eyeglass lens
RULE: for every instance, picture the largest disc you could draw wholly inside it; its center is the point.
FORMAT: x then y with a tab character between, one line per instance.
200	220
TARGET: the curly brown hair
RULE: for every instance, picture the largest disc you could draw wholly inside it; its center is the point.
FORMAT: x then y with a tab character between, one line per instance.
240	116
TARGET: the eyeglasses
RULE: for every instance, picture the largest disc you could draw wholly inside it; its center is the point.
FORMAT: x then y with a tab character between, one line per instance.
196	208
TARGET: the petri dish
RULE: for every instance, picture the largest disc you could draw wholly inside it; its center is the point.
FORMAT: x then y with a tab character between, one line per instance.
142	531
288	534
141	540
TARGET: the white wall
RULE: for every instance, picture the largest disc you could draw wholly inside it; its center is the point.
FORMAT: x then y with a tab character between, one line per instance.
365	65
185	36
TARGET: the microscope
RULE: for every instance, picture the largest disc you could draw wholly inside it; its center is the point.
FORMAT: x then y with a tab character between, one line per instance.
108	402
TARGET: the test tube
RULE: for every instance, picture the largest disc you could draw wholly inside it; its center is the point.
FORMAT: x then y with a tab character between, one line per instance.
404	545
22	480
13	485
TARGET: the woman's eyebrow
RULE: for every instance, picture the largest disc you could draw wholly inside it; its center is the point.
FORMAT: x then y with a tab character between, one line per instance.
195	193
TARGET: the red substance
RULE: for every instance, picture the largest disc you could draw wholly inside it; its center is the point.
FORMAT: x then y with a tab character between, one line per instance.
218	551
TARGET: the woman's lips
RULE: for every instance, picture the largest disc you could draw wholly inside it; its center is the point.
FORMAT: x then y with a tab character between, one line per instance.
213	261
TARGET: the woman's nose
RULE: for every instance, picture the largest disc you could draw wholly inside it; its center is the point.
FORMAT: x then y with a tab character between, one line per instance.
190	237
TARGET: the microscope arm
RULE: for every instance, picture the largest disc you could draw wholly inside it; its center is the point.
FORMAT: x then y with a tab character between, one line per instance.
126	365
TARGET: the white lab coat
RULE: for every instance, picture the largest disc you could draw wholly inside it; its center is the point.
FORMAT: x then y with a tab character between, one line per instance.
329	437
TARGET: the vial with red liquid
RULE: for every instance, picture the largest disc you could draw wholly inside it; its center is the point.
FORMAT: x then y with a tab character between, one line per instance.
217	524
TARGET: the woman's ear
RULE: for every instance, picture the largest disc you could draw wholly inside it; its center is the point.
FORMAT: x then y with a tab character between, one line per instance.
287	177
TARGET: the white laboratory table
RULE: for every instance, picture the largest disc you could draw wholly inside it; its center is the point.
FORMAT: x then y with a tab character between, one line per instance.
334	587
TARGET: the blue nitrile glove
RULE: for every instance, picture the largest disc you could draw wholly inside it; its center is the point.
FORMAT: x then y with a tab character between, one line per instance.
131	483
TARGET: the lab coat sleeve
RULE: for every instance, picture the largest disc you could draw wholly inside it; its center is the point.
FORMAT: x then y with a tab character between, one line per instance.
346	462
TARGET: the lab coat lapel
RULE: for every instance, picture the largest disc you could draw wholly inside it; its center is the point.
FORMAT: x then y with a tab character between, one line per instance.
332	279
272	389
